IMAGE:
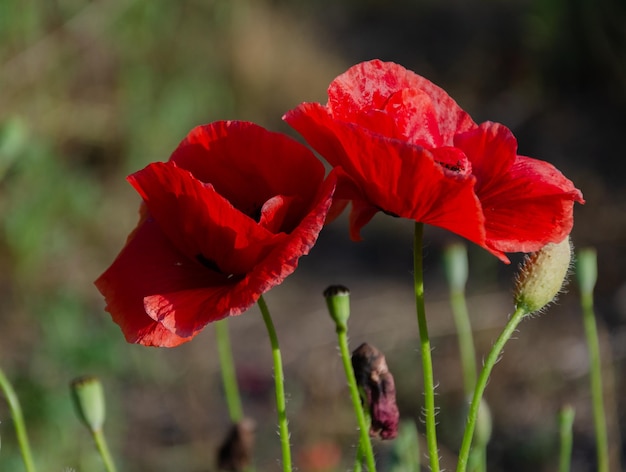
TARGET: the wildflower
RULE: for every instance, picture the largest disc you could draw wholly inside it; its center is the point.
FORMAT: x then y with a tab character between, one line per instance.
406	148
222	222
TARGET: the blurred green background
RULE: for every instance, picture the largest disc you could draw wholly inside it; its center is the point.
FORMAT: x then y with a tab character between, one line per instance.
92	91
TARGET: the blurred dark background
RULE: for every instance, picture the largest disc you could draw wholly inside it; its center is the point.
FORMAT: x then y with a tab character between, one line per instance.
91	91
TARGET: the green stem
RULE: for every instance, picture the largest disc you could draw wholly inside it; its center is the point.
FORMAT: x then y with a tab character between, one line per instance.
477	461
481	384
599	418
229	377
483	459
18	422
365	444
478	458
103	449
279	378
427	362
566	420
466	339
358	460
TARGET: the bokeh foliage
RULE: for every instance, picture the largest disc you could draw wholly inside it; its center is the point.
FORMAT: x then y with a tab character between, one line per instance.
93	90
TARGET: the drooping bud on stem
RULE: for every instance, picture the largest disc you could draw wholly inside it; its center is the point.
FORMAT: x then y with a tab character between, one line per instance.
88	396
542	276
376	382
338	301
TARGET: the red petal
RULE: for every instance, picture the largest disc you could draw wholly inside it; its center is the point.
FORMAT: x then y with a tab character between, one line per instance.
147	265
360	214
527	203
531	206
369	85
274	212
492	150
201	223
160	297
316	125
186	313
416	118
392	176
248	165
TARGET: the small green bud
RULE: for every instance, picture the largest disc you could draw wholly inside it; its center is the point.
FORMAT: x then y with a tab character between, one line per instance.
338	302
587	269
455	263
88	396
484	425
542	276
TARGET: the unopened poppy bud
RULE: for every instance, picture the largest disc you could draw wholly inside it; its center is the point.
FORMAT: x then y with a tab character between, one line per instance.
379	391
88	396
484	425
338	302
542	276
235	453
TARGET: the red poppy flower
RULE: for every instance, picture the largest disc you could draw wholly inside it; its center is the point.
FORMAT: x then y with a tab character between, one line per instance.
406	148
223	221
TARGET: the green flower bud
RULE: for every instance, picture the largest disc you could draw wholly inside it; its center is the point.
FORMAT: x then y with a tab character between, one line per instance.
542	276
587	269
88	396
455	263
484	425
338	302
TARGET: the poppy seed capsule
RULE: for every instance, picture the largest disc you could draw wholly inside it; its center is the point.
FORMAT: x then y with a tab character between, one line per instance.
542	276
338	302
88	396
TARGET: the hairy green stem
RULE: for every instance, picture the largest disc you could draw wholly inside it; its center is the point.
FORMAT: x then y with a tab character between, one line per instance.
18	422
103	450
358	460
478	458
427	362
597	397
365	444
229	376
466	339
281	404
481	384
456	265
566	420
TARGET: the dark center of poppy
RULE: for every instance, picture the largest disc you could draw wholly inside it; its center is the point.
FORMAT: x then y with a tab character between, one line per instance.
458	167
208	263
452	159
256	213
212	265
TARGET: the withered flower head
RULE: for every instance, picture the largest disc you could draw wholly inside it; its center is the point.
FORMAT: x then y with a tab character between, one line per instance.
235	453
379	391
